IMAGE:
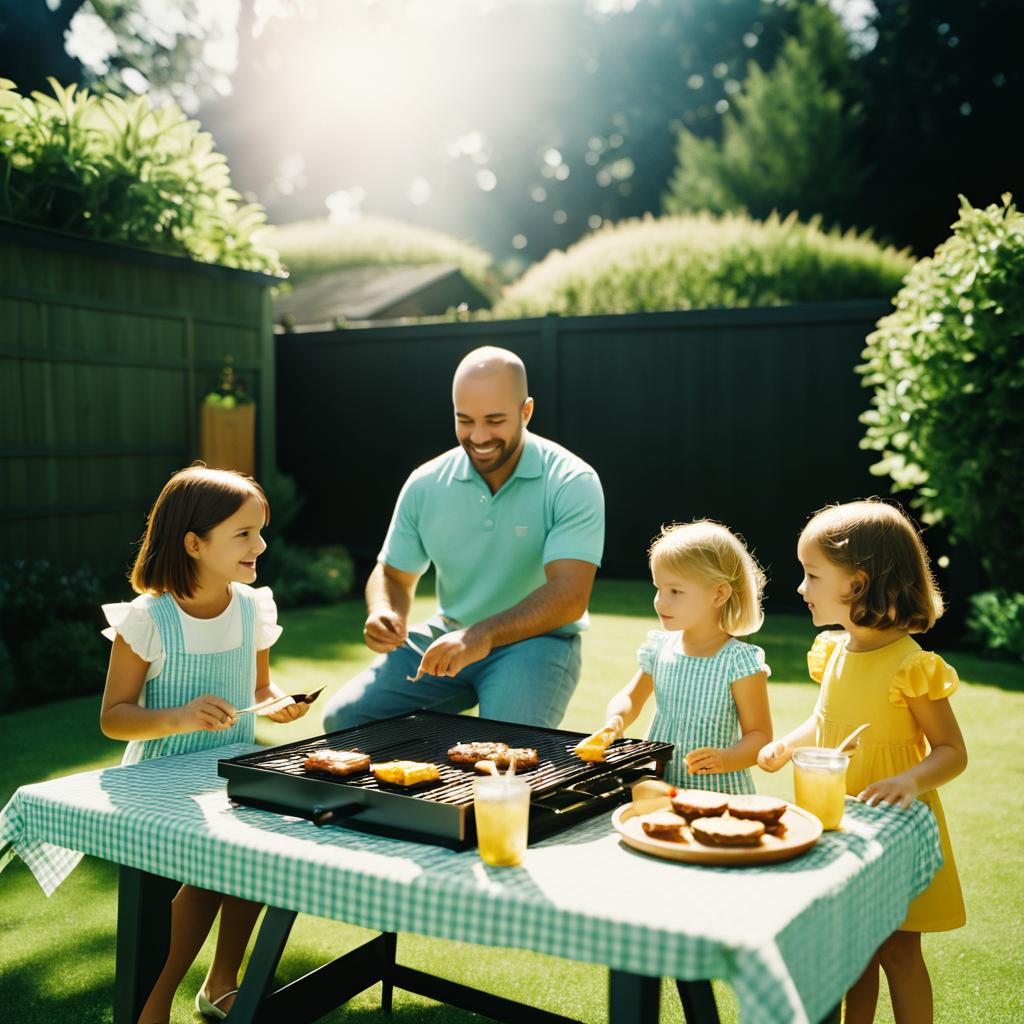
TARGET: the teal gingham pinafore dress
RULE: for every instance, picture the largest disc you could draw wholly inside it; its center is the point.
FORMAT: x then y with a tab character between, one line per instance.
695	704
184	676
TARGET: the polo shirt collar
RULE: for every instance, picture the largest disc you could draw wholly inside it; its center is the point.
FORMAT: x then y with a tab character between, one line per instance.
529	466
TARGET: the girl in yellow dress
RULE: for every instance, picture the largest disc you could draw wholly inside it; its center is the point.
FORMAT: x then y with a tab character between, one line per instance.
866	570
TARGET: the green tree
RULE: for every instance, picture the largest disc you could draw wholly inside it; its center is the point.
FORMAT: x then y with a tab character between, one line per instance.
183	50
790	143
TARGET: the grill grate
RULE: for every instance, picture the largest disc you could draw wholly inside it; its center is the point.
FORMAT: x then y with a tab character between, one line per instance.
427	736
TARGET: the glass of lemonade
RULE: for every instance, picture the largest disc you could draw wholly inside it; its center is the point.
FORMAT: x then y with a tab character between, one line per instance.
501	804
819	783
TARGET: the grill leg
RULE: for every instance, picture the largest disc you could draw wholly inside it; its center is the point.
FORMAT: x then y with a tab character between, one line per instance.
698	1001
387	986
632	998
143	938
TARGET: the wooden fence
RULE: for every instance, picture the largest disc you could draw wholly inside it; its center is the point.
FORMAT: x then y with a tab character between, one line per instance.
747	416
105	353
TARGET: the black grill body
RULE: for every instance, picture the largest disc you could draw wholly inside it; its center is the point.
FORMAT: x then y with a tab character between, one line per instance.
565	790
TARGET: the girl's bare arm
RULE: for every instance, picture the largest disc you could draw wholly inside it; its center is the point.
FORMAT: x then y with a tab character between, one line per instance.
945	761
121	717
623	708
772	756
751	696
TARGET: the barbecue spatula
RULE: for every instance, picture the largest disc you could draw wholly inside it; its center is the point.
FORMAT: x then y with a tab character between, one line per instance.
272	704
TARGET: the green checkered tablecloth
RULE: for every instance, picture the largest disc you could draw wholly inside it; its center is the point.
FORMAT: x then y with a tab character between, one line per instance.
789	938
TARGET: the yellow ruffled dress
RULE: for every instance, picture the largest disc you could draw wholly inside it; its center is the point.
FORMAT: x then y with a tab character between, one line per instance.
872	686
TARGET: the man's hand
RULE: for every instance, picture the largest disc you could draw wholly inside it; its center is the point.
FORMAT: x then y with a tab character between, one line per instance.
384	631
451	653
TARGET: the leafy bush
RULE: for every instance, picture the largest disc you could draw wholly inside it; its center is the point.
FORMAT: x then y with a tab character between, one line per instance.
299	576
690	262
285	503
996	621
64	659
115	170
36	592
313	247
947	370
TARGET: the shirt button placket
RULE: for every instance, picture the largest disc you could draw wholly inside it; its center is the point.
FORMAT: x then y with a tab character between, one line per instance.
487	523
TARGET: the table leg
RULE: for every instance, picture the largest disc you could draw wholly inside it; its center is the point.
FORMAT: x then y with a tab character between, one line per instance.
698	999
259	972
143	937
633	998
387	987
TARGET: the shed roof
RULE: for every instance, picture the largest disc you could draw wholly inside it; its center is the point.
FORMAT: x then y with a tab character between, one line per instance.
375	293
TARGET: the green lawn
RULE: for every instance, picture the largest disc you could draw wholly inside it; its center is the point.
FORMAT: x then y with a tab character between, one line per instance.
56	955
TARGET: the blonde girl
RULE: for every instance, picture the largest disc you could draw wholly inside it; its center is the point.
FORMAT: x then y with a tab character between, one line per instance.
711	688
866	571
193	647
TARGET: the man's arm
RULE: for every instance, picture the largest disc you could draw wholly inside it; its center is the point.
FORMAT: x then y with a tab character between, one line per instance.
559	601
389	596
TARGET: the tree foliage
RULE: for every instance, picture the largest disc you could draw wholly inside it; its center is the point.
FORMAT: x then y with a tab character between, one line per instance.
942	89
790	142
180	50
947	369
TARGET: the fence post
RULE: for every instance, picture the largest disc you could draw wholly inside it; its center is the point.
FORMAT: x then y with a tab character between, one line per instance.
191	399
549	362
266	430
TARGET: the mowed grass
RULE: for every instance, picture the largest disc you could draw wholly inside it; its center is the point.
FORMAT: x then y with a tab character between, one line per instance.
57	954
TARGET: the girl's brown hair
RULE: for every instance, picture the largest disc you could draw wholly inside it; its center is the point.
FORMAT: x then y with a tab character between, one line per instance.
709	552
194	500
896	589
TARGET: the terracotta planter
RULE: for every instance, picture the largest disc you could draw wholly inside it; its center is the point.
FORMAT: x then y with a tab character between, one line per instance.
227	437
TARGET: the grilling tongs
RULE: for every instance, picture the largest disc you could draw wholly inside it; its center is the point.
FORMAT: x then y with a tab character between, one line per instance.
272	704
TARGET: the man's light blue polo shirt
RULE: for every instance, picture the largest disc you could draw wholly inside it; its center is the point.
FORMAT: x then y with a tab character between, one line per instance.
489	550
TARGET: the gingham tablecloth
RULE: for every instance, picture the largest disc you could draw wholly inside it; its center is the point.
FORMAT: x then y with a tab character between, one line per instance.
789	938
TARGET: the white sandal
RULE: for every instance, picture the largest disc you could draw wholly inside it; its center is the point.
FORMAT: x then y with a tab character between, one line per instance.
211	1010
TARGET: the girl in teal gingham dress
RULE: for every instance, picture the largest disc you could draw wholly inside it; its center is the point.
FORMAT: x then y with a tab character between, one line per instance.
188	652
711	689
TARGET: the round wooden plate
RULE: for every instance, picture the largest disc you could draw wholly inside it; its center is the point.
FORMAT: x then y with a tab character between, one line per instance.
803	830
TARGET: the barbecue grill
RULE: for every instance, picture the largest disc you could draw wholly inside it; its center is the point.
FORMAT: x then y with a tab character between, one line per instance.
565	790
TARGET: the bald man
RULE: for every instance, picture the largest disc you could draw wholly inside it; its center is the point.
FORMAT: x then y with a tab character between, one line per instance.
514	527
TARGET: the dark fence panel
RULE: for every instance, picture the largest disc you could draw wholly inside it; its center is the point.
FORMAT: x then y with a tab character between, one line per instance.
746	416
105	353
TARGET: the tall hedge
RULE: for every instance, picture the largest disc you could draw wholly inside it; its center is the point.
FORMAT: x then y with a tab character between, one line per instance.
947	370
695	261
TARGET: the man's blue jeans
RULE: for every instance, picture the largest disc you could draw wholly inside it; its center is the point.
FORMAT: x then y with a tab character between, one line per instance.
528	682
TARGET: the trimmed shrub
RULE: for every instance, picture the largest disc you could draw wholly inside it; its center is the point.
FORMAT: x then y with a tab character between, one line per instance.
311	247
947	369
299	576
996	622
692	262
117	171
64	659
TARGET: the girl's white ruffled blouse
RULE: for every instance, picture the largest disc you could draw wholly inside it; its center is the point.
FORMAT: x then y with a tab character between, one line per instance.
202	636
